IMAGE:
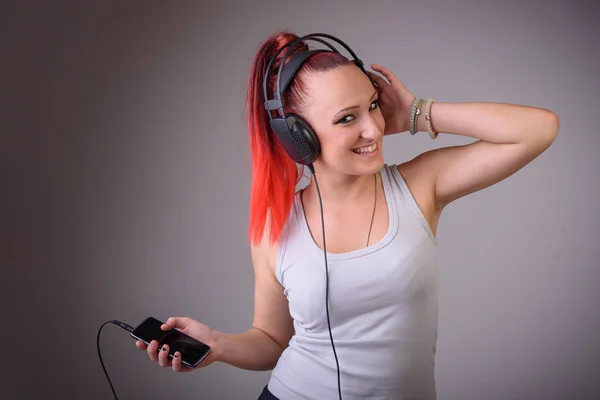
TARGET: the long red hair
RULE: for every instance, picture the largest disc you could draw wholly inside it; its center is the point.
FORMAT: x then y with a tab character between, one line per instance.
274	174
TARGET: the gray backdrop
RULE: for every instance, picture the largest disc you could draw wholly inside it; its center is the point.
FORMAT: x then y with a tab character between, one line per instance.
125	174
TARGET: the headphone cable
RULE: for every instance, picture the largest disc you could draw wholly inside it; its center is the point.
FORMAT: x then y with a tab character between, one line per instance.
312	170
130	328
122	325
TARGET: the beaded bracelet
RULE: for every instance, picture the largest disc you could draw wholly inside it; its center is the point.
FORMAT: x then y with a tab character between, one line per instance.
428	124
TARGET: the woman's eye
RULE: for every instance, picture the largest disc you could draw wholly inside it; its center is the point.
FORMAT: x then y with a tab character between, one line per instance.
348	118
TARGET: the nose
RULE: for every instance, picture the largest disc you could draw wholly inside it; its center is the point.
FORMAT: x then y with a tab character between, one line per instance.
372	129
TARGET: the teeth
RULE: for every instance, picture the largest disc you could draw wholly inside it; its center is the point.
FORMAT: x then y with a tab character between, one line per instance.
365	150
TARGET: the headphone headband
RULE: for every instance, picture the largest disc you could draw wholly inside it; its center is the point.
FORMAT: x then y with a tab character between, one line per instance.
289	71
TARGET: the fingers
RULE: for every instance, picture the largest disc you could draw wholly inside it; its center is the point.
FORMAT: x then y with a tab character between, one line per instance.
140	345
379	81
176	363
163	356
175	322
389	75
169	324
152	350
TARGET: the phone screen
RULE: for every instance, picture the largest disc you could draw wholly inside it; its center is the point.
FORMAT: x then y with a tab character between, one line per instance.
192	351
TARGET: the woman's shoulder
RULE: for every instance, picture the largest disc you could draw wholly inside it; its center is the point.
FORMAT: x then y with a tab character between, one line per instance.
417	177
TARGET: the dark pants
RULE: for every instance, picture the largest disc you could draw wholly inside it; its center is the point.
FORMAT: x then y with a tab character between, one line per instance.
266	395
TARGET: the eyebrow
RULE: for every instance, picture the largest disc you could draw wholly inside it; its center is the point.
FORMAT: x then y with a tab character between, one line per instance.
355	106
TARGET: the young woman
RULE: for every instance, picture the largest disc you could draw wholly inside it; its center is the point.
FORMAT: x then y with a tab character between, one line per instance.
380	230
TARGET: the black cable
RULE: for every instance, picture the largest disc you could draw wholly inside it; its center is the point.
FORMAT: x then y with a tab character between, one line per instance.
312	170
122	325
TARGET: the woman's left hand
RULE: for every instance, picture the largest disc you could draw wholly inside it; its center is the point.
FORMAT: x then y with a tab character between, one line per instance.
396	100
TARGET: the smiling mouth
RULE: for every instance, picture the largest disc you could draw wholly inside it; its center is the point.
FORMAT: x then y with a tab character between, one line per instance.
365	149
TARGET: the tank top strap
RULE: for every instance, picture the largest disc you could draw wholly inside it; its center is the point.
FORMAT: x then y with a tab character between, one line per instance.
404	197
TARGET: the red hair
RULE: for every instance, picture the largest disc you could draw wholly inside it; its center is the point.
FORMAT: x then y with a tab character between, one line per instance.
274	174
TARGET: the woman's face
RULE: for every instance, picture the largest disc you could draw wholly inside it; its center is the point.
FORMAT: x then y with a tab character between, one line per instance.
343	110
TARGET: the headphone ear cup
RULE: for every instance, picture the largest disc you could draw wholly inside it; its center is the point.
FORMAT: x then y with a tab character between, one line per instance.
301	143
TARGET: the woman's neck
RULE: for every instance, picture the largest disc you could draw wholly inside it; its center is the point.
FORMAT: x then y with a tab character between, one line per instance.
339	190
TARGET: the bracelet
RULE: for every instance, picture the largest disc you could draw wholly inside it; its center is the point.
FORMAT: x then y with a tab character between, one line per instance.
430	130
412	115
417	113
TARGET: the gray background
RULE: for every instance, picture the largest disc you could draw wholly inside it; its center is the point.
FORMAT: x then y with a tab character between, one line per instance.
125	173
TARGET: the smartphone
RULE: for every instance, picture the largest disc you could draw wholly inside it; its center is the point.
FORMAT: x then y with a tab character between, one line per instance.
192	351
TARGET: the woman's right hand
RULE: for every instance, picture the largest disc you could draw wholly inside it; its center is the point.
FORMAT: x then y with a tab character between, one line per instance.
190	327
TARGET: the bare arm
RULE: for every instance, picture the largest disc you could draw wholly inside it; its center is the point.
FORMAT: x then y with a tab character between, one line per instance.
261	346
510	136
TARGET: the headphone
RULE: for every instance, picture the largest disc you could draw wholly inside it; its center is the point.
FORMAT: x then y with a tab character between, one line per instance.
295	135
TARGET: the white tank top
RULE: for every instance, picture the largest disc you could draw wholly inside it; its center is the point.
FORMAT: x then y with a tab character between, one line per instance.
383	309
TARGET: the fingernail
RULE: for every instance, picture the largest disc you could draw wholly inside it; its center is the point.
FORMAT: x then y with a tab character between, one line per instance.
164	349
